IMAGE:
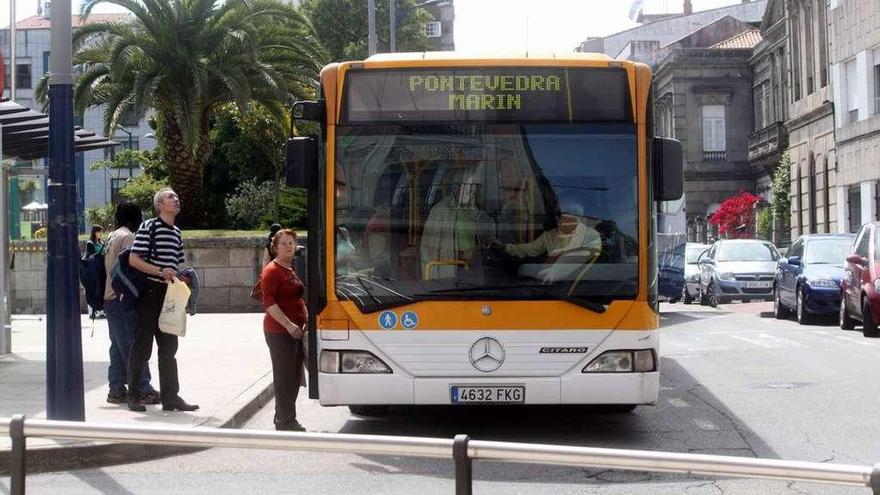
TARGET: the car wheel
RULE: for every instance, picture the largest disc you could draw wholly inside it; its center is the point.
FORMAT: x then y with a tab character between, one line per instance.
713	296
845	320
686	296
869	326
779	311
803	317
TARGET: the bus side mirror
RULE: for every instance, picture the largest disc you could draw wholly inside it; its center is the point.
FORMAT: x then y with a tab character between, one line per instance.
302	161
668	171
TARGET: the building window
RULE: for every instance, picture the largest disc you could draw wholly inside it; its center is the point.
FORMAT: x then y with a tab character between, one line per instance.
876	72
808	46
852	94
714	133
115	186
129	118
759	106
22	76
877	200
827	195
854	200
814	210
433	30
823	44
800	200
795	31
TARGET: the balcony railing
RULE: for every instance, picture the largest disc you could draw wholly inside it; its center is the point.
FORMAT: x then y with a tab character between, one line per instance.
767	141
714	156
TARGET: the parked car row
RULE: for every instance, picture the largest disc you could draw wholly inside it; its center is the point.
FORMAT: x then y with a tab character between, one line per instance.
823	274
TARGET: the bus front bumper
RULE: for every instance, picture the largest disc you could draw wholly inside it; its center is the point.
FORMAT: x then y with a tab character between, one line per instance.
581	388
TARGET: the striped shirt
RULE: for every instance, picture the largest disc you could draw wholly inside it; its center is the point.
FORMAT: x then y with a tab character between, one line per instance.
167	245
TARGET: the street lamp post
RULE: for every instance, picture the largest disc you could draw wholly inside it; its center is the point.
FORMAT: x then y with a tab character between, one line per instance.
64	367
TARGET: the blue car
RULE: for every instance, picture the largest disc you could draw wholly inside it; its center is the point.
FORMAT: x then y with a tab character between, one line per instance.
808	281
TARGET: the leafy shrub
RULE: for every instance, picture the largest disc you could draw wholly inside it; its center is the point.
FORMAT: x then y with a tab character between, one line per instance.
251	203
101	215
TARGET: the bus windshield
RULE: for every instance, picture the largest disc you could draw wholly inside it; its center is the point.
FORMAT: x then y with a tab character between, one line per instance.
486	211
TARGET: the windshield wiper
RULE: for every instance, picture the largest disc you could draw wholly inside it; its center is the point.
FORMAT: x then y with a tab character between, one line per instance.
374	304
587	304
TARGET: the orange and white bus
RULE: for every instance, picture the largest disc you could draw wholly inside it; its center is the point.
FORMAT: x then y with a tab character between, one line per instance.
481	230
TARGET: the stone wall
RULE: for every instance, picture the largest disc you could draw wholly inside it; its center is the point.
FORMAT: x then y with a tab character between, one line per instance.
227	269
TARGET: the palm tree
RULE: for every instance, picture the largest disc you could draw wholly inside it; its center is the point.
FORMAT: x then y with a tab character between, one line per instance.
182	59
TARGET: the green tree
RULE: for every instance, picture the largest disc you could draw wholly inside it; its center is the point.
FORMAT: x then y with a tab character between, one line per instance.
182	59
342	26
782	188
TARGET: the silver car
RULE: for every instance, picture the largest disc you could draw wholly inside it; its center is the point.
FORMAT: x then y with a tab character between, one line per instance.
692	253
741	269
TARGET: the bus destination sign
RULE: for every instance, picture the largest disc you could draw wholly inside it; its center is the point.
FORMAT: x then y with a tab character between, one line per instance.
520	94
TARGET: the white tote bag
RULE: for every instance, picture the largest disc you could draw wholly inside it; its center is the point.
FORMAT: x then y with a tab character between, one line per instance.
172	319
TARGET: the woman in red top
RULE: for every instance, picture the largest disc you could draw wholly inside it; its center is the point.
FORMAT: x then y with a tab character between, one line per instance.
284	326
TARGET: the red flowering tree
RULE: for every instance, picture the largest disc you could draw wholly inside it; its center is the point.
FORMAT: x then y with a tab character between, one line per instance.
734	217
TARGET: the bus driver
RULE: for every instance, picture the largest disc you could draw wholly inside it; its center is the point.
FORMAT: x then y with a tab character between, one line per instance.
570	237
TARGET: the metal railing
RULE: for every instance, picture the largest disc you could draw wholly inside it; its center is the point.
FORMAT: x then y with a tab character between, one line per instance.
461	449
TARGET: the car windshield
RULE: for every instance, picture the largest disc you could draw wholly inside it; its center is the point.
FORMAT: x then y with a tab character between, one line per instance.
827	251
486	211
747	251
694	252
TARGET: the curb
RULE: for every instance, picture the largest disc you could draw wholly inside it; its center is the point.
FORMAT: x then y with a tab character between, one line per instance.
93	455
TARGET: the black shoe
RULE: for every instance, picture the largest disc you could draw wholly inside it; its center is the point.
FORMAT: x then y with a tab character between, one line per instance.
117	398
292	425
151	398
137	405
178	404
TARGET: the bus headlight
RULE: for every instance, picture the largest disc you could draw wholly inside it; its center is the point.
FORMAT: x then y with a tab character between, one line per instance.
623	362
351	362
726	276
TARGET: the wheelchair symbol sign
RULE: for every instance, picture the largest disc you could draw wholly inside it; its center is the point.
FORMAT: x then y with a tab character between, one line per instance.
409	320
388	320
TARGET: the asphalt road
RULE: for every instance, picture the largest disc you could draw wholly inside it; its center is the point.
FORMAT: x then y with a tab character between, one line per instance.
734	382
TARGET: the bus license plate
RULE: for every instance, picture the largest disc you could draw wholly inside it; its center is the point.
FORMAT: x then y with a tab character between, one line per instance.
758	285
462	394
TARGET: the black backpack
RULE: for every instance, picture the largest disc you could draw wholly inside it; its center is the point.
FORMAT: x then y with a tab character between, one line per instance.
93	278
127	281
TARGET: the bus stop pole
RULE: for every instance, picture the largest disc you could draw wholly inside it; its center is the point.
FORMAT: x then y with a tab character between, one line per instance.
64	368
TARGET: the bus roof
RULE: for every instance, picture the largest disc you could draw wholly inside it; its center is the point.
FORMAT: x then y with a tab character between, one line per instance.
513	55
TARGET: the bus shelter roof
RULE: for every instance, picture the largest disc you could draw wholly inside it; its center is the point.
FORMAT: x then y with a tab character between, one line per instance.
25	133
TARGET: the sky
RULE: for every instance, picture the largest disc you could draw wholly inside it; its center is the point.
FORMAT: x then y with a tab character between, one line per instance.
498	26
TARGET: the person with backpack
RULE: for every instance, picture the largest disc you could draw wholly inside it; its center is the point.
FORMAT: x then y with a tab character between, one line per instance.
157	252
95	245
120	317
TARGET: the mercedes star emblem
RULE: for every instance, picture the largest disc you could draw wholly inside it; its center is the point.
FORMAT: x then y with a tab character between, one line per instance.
486	354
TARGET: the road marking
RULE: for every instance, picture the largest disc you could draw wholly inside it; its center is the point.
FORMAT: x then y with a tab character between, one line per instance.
752	341
781	340
676	402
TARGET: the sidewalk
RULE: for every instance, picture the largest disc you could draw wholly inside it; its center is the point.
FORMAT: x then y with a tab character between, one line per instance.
223	364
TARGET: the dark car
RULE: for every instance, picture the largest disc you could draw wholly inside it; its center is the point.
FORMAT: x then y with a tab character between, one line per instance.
860	290
808	281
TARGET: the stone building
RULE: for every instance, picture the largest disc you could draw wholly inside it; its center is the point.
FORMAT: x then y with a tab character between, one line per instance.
769	137
854	55
703	92
810	122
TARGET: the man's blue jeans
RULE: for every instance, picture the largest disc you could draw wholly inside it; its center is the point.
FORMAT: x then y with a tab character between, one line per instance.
121	323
